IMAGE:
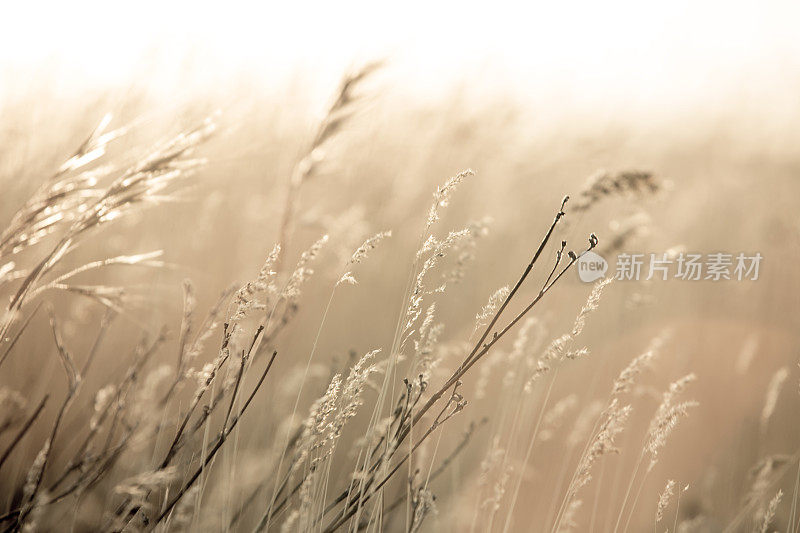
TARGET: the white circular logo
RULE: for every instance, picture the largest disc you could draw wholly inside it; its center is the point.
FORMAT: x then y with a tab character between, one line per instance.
591	267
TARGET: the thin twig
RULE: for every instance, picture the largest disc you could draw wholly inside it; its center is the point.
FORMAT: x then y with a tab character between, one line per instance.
221	438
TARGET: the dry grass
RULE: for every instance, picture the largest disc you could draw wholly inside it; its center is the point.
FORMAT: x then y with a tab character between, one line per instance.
241	412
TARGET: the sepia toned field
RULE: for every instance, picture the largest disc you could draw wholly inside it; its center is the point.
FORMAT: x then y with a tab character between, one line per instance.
317	305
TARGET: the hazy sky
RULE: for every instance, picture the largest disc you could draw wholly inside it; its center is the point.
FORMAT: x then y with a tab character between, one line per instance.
635	48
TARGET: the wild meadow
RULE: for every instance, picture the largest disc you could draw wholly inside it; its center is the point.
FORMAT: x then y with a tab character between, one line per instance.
277	312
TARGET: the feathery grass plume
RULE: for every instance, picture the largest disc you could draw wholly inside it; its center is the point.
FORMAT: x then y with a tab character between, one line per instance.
145	183
441	198
529	339
350	227
102	399
667	415
9	274
290	524
208	326
763	474
493	468
553	418
347	277
318	427
73	375
769	513
62	197
663	500
424	503
771	400
380	472
627	378
569	520
425	358
622	232
34	477
432	244
463	243
147	259
246	297
31	493
137	490
303	271
305	510
602	443
55	205
205	376
317	439
583	424
352	391
113	298
435	250
32	522
485	374
591	305
94	146
361	253
465	253
370	244
541	367
488	310
561	348
12	408
141	485
181	518
604	184
438	250
341	109
374	435
146	396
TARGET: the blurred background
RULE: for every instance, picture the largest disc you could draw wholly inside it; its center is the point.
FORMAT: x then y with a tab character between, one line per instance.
536	99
